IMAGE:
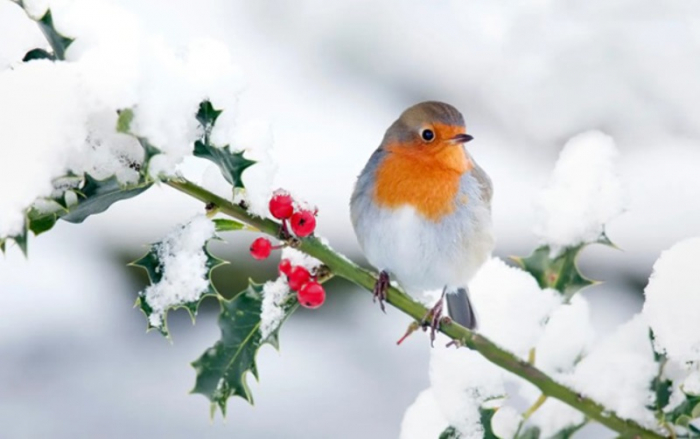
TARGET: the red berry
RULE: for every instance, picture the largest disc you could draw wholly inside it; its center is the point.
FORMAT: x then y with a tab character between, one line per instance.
261	248
298	277
285	267
303	223
312	295
281	205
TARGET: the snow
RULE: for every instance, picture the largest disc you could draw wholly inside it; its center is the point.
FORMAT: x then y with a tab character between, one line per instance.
618	372
183	265
300	259
583	194
18	34
567	337
40	125
511	307
275	293
63	114
672	299
505	422
423	419
554	416
462	381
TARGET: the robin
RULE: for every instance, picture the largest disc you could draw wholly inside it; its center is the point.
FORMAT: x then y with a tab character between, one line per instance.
421	210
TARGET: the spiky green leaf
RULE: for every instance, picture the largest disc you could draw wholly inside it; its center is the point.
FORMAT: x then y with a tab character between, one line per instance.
207	115
232	164
38	54
686	412
96	196
559	272
153	265
58	42
486	416
222	369
20	239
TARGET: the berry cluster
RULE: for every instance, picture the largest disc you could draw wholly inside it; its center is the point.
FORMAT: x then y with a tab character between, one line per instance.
303	223
309	292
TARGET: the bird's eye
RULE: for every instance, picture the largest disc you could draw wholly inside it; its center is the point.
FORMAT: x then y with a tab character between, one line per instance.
427	134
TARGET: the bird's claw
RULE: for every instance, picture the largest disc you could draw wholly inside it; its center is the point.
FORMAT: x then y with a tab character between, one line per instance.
432	319
380	289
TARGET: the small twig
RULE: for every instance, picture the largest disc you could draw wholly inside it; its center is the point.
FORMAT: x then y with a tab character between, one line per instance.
413	327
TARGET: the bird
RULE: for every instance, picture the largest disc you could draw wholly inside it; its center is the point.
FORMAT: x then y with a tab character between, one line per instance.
421	211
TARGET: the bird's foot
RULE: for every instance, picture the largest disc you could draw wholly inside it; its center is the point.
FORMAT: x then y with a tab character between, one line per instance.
380	289
432	319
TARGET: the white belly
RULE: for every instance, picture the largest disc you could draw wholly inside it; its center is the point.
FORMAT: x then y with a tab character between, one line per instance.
425	255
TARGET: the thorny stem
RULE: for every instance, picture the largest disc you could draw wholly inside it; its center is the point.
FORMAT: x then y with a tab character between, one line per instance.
339	265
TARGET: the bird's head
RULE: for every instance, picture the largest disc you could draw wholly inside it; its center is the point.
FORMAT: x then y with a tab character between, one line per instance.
428	127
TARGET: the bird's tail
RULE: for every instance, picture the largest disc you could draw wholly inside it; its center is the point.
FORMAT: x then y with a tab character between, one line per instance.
460	308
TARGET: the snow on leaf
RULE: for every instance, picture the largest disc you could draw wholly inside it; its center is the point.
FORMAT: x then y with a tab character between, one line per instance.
221	370
96	196
450	433
169	259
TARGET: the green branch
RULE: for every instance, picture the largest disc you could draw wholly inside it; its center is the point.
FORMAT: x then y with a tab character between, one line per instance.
341	266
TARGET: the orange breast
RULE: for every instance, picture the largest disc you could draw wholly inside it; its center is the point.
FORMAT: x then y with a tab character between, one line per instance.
425	178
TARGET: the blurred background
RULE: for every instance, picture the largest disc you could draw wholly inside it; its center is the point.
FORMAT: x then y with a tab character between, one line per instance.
75	360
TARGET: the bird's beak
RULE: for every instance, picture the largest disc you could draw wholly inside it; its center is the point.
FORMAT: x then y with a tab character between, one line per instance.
462	138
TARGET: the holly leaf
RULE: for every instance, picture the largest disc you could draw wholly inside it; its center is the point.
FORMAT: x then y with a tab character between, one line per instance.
58	42
20	239
485	415
207	115
154	269
96	196
559	272
450	433
232	164
686	412
38	54
222	369
661	387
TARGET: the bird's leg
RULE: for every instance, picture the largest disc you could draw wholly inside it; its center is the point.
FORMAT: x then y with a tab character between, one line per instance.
433	318
380	289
